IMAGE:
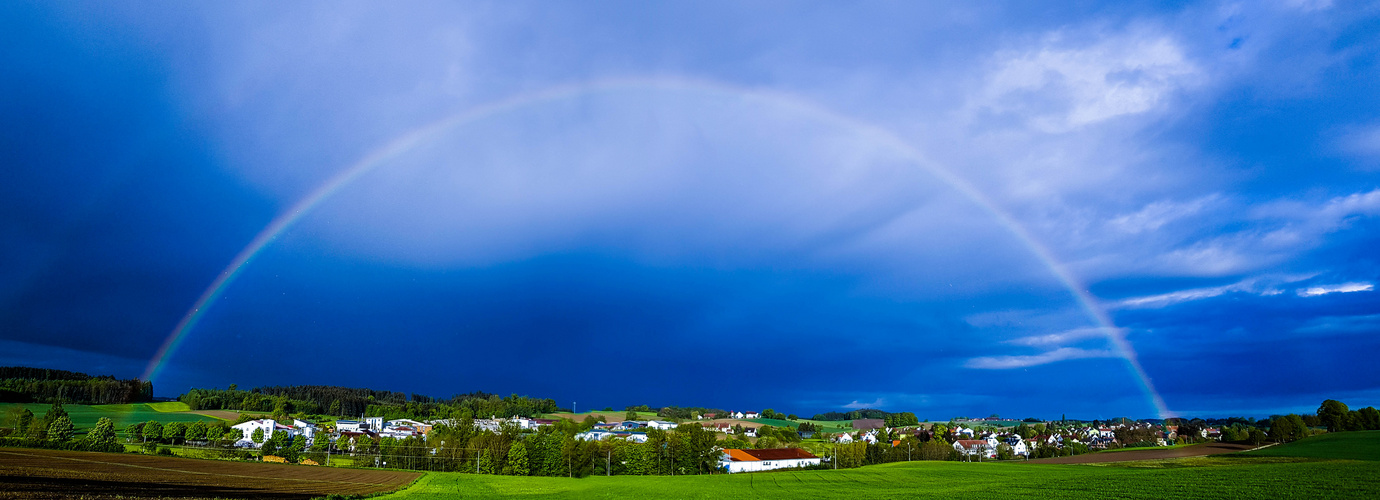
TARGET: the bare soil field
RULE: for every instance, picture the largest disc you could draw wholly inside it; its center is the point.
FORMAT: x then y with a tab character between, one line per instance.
30	473
1198	450
221	414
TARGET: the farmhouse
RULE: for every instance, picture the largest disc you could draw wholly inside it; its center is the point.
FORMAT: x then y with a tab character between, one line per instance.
734	460
978	447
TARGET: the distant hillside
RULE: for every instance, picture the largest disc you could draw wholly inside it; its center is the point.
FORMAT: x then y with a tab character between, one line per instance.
1355	445
22	384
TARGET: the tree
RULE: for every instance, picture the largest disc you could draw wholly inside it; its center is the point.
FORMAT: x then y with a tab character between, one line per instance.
1287	428
196	431
257	436
153	431
335	407
1255	436
1004	452
214	433
1332	414
517	460
21	418
630	416
293	451
55	412
102	437
1025	431
1370	418
232	435
60	431
135	431
174	431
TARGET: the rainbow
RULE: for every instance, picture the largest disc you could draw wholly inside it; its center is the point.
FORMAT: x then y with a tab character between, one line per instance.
430	131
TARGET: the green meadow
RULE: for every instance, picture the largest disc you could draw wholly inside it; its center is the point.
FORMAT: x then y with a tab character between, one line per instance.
84	417
1343	465
1359	445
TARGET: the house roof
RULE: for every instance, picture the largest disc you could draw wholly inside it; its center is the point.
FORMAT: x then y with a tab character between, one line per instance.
971	443
737	455
768	454
868	423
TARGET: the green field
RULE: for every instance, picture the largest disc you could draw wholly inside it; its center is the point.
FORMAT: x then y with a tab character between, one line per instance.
1263	478
1343	465
1361	445
84	417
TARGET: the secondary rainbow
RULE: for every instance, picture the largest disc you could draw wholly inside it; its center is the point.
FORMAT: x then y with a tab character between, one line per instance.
430	131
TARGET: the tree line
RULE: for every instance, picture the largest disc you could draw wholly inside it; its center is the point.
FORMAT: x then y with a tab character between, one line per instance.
282	401
20	384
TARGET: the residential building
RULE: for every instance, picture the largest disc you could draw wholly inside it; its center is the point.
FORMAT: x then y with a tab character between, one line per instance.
735	460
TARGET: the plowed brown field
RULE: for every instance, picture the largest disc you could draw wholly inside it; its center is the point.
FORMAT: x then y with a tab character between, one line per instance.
1197	450
26	473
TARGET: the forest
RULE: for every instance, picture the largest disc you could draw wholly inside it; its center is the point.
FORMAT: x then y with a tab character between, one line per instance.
20	384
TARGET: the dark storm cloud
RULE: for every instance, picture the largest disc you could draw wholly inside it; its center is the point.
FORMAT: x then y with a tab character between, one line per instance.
114	208
1208	171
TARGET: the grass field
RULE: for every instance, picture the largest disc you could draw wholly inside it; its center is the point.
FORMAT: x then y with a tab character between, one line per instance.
1343	465
84	417
1263	478
1361	445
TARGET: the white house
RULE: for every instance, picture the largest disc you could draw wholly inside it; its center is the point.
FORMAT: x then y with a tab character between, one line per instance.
349	426
734	460
404	422
752	415
661	424
267	425
375	423
593	435
636	437
975	447
1018	446
844	438
737	414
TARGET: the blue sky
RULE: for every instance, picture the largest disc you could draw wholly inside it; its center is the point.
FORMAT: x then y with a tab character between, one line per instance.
807	207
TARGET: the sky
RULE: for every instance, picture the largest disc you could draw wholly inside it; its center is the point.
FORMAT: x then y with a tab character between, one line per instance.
1097	209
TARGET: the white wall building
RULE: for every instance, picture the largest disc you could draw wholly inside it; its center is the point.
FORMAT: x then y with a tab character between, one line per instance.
268	426
734	460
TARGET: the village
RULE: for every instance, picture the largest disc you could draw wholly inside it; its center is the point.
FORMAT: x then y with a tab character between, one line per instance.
971	440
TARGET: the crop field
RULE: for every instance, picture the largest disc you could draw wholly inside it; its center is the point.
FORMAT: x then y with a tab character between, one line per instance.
1263	478
1343	465
84	417
26	473
1360	445
1158	453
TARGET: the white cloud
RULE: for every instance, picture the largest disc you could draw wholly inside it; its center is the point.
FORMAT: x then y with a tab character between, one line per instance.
1308	5
1363	143
1258	286
1061	338
1060	354
1058	88
1155	215
1338	288
1367	324
855	405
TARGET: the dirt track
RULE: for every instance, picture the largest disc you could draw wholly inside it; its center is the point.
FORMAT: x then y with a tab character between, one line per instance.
29	473
1197	450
